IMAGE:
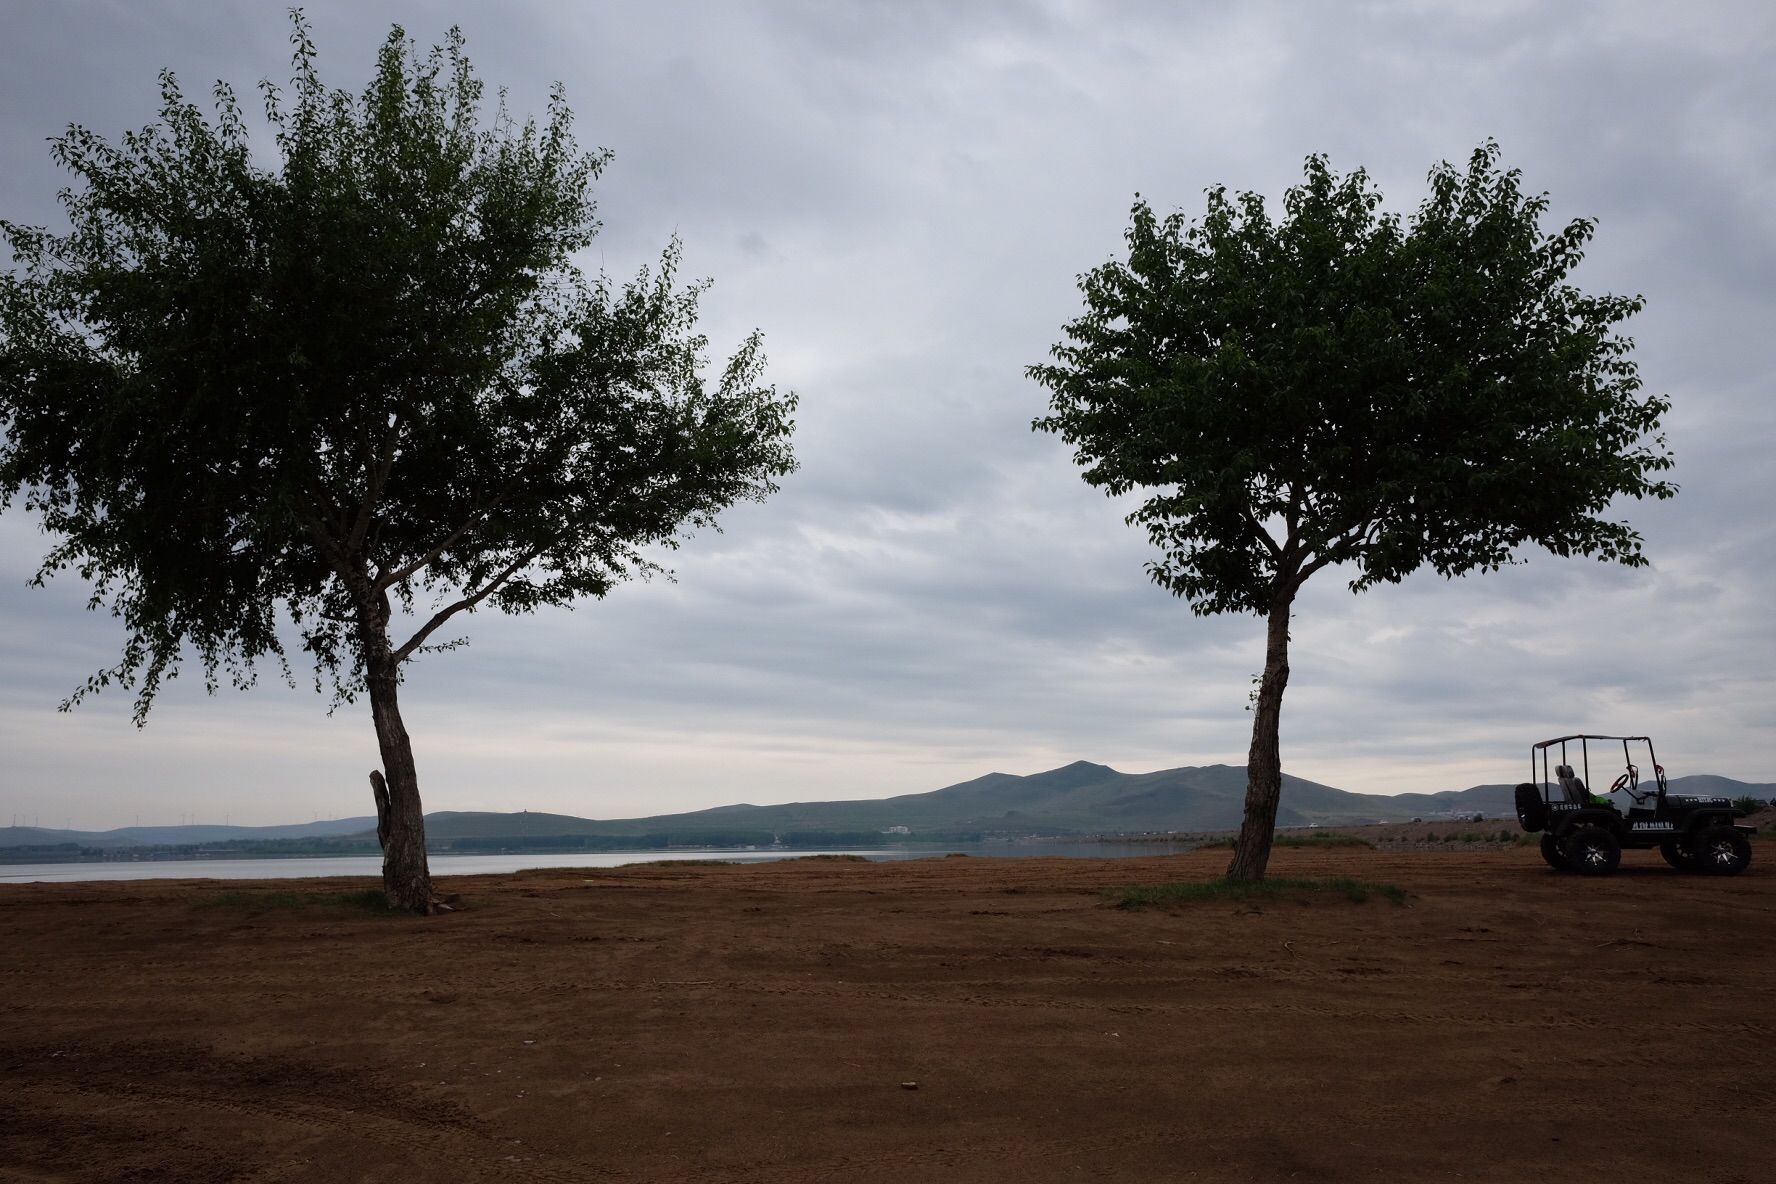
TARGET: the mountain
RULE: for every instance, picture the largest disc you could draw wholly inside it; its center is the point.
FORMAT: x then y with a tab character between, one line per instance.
180	836
1498	799
1078	798
1705	785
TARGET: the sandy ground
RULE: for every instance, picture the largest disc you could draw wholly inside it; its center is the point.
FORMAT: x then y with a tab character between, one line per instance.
758	1023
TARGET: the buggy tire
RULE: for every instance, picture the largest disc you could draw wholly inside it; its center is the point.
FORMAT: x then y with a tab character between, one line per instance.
1553	856
1532	812
1591	850
1722	851
1680	854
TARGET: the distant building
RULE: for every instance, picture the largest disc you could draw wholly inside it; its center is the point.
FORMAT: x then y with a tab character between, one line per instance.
898	830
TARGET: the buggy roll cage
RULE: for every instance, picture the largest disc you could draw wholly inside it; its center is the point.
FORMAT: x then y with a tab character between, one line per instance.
1585	759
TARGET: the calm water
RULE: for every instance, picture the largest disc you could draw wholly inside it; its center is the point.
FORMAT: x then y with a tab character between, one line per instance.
469	865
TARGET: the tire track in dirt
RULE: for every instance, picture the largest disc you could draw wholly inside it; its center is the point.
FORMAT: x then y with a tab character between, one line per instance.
431	1139
918	1163
525	985
900	1164
842	993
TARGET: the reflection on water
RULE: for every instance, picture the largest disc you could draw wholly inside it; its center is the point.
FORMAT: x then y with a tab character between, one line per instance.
468	865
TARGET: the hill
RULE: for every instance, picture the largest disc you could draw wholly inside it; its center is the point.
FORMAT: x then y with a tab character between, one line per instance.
1080	798
171	836
1087	798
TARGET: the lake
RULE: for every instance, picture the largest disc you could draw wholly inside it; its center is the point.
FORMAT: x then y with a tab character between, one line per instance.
470	865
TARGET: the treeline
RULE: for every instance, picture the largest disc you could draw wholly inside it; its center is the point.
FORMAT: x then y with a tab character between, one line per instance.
47	853
71	852
661	840
364	844
470	845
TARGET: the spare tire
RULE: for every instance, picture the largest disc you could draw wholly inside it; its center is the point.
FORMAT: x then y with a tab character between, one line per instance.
1532	812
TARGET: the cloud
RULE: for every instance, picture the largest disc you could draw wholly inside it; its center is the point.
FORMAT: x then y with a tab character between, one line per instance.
901	196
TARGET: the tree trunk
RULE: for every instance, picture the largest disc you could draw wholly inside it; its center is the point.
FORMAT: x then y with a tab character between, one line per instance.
406	878
380	791
1264	763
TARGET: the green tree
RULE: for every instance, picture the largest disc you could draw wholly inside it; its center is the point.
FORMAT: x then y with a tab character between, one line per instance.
354	388
1344	387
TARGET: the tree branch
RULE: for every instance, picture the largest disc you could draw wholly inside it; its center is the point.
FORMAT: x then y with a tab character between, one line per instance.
390	579
376	476
1342	547
329	547
1264	536
470	601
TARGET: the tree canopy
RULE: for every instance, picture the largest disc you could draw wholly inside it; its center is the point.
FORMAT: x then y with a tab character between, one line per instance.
357	371
1344	386
1341	386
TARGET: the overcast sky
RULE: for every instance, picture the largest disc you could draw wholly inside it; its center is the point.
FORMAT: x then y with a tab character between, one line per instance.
900	195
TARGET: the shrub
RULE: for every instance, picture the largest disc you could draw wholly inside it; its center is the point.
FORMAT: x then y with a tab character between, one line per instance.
1272	888
1312	838
1322	838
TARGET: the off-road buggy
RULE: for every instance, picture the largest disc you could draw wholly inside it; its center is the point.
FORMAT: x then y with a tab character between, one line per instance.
1585	832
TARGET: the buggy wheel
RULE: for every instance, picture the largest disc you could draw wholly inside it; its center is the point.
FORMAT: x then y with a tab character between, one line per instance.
1532	812
1592	851
1680	854
1722	851
1553	856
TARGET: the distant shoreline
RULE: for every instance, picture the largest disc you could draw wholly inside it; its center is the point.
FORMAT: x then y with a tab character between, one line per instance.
456	863
13	856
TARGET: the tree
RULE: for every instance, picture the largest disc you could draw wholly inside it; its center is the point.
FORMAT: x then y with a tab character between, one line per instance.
1341	387
348	397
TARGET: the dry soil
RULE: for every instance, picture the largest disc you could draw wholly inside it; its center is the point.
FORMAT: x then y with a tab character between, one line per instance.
958	1019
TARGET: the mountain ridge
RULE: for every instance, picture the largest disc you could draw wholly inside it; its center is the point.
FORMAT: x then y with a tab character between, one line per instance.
1077	798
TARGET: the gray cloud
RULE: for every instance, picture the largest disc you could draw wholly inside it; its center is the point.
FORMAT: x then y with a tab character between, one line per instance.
901	197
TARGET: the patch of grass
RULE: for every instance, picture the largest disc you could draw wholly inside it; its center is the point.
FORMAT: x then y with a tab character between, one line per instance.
829	859
684	863
1322	838
370	900
1273	888
1312	838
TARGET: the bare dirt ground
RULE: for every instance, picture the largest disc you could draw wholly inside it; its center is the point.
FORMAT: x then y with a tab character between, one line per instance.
758	1023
